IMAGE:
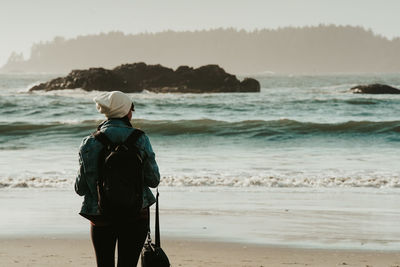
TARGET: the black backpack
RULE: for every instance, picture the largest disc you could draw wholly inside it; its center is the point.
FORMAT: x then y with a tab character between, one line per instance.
120	181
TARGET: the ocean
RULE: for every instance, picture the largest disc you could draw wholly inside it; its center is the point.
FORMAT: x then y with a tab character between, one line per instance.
302	137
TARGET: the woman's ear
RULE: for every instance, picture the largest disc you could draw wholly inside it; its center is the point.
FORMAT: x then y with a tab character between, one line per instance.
129	115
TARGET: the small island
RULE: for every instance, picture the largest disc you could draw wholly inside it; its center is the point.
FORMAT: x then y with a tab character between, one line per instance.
136	77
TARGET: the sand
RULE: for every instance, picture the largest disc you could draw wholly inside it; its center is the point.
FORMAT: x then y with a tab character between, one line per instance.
78	251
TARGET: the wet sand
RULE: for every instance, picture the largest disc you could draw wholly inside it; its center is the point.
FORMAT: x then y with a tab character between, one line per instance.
78	251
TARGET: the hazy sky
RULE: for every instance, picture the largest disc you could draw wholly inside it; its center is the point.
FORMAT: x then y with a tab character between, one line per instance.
24	22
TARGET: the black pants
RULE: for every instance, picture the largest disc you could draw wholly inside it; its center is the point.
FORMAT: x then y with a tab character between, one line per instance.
130	237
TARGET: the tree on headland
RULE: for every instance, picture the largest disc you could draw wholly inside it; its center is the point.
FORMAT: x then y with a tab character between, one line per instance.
15	60
321	49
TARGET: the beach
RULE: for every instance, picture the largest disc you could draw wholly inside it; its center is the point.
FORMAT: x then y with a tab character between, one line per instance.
303	173
270	131
357	228
78	251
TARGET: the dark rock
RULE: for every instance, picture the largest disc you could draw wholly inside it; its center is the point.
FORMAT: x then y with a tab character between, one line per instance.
92	79
374	89
156	78
250	84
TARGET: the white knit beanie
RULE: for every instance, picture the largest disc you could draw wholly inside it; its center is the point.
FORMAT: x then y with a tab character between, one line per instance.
113	104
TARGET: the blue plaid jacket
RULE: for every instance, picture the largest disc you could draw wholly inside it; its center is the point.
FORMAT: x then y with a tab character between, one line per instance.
117	130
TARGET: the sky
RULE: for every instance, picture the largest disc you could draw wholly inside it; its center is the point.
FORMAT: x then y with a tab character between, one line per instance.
25	22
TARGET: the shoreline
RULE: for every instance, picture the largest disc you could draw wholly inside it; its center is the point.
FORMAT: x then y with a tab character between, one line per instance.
77	251
310	219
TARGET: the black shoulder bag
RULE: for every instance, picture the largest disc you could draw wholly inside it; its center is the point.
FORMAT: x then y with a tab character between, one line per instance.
152	254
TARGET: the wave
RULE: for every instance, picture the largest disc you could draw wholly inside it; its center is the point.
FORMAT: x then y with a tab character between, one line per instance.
261	128
36	182
249	128
349	101
364	102
23	128
251	181
284	182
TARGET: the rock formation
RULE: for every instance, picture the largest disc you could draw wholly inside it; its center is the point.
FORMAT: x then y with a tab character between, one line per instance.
137	77
374	89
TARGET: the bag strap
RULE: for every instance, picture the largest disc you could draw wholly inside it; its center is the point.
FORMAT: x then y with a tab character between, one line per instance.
133	137
102	138
157	226
131	140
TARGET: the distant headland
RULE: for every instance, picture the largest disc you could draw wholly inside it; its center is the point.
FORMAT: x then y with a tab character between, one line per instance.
321	49
137	77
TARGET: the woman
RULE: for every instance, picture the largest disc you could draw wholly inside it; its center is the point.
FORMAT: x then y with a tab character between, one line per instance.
130	234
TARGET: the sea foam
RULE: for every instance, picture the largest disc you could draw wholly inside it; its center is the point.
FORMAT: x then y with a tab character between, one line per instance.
208	181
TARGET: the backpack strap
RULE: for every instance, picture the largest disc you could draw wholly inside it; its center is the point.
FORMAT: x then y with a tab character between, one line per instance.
130	141
133	137
101	124
102	138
